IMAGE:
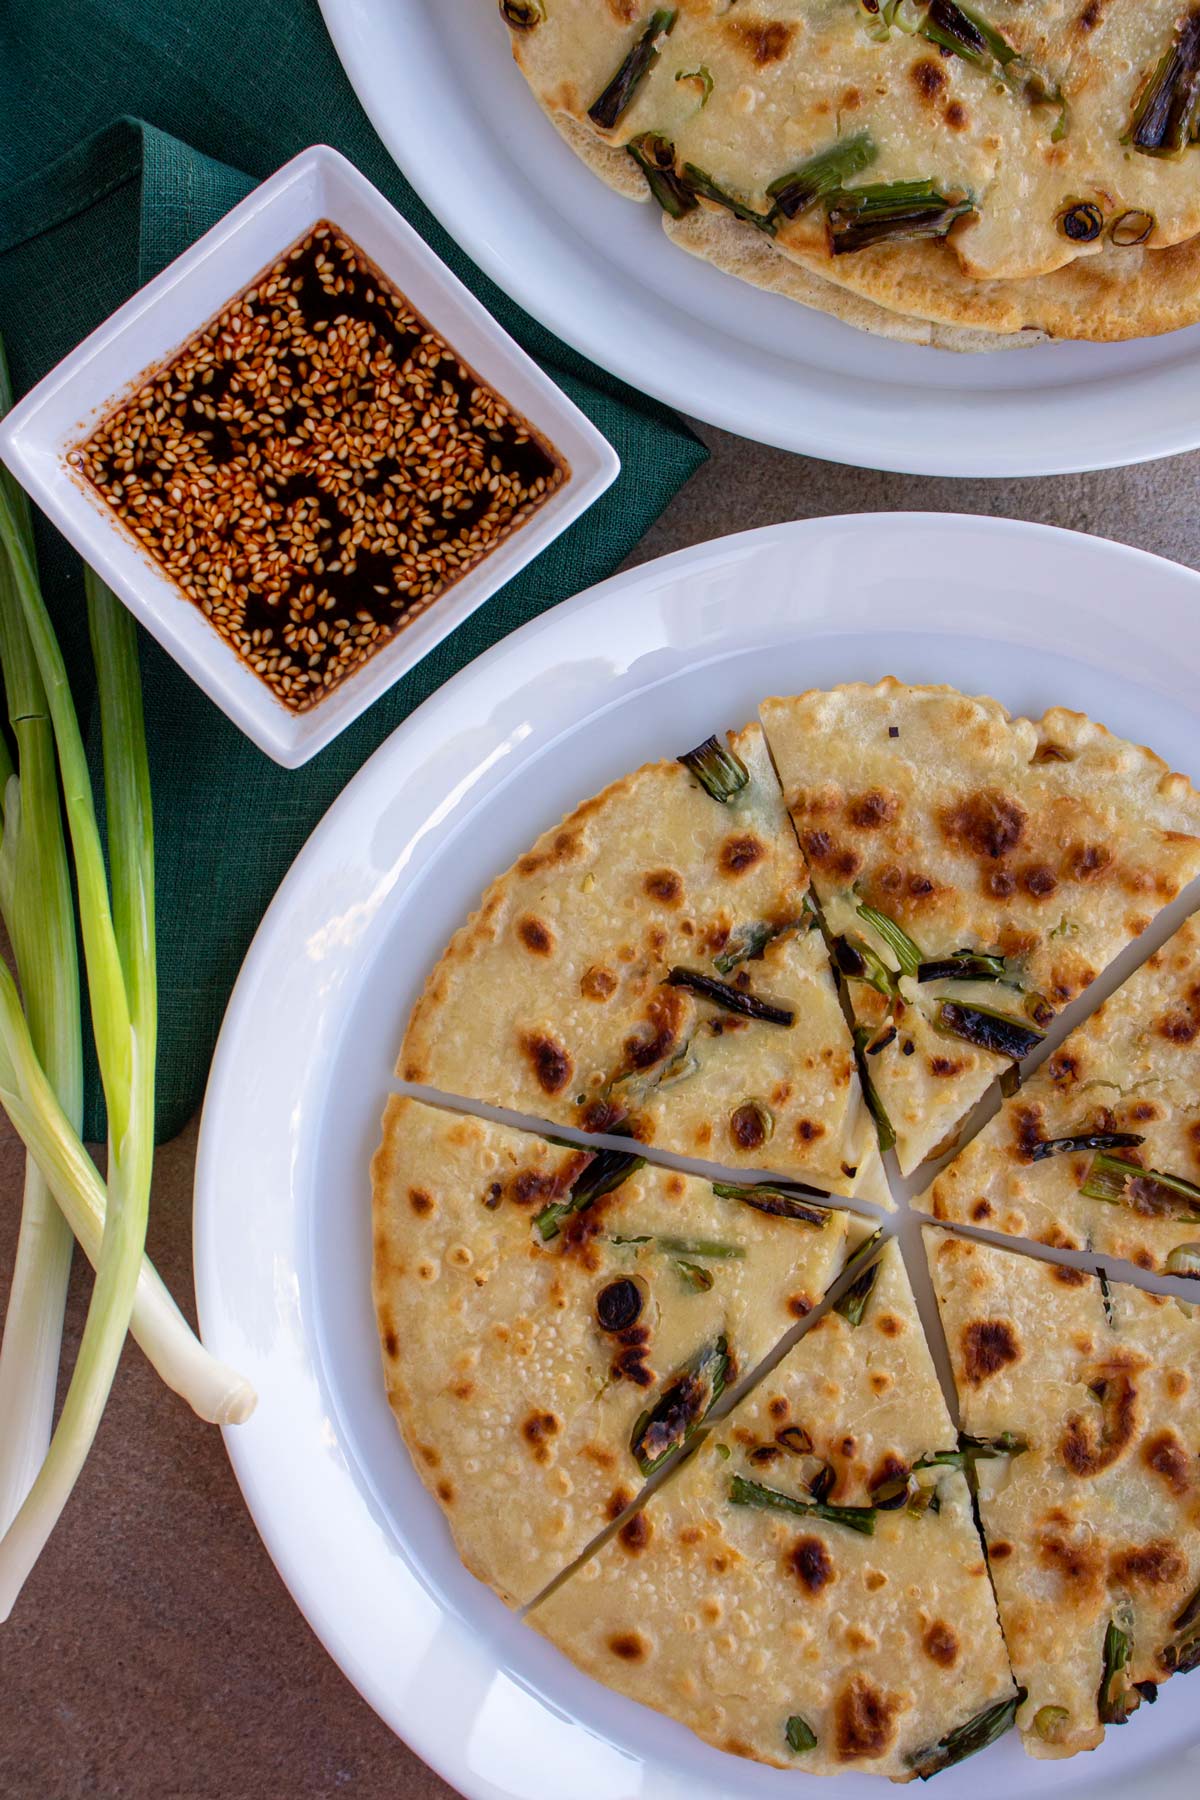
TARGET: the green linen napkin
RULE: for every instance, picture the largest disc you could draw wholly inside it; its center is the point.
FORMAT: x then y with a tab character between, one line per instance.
130	127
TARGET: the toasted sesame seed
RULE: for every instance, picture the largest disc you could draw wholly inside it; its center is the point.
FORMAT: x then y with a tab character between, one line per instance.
317	472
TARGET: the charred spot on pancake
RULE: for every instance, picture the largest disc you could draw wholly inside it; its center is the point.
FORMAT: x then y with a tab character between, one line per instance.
1091	16
391	1342
1077	1564
1038	881
765	1453
1067	1276
1179	1027
1063	1068
597	983
741	853
1095	1441
530	1185
601	1115
564	848
630	1365
663	885
618	1500
987	823
988	1345
666	1012
940	1644
552	1066
809	1130
956	115
1085	862
1165	1455
635	1533
889	1325
827	854
420	1201
945	1066
1157	1564
890	1467
1143	1110
748	1125
536	936
810	1562
1000	883
630	1646
445	1492
999	1550
870	811
799	1305
864	1720
982	1209
537	1430
928	77
765	41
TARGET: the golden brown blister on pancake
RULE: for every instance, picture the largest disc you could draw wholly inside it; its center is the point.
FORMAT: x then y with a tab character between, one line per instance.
555	998
1095	1523
737	1618
521	1346
1132	1071
1046	845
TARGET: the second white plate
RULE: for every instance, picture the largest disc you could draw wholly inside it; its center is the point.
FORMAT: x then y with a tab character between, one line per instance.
635	669
438	82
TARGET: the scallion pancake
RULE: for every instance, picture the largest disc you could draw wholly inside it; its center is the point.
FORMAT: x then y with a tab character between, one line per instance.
1033	133
527	1324
1093	1522
1100	1148
739	1605
582	991
975	872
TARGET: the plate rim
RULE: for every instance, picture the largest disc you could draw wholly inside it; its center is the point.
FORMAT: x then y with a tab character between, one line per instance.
948	445
427	1740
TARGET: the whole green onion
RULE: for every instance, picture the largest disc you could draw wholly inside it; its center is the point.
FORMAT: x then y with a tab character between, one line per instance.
39	913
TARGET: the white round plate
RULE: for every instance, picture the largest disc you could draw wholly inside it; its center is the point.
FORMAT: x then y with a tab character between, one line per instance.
635	669
439	84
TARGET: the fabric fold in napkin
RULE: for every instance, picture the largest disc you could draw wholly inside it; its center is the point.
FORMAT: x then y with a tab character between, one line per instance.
90	209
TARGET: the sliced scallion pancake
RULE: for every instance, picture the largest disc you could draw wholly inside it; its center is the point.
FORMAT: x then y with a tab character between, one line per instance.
1093	1521
554	1322
650	967
926	158
975	872
810	1589
1100	1148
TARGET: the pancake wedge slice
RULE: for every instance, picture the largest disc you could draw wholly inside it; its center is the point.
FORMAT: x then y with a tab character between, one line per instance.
809	1590
975	872
1093	1522
1100	1148
555	1321
651	967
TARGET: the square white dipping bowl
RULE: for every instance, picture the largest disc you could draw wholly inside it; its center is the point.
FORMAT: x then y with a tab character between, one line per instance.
37	437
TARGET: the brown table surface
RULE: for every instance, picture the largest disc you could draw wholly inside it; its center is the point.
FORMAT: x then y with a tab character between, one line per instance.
155	1654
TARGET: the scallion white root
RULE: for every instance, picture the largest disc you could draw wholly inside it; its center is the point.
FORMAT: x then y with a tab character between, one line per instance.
213	1391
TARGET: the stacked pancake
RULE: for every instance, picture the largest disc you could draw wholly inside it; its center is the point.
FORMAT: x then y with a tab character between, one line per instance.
971	178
